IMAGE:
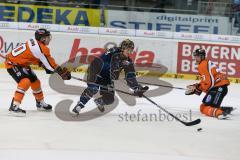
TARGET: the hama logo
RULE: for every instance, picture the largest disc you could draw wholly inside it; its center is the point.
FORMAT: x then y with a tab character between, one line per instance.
141	58
5	46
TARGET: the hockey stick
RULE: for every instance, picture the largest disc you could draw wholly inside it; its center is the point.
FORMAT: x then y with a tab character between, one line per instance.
160	85
192	123
80	79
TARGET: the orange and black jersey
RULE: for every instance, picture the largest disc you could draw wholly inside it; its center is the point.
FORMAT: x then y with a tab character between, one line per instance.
210	76
31	52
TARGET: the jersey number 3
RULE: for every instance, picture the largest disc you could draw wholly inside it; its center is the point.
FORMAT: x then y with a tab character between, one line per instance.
19	50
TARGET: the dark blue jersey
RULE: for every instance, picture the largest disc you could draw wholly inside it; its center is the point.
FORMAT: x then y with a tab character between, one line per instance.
109	58
108	66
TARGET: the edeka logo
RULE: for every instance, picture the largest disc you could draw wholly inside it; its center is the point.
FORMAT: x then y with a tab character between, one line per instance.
81	56
142	58
225	57
5	46
49	15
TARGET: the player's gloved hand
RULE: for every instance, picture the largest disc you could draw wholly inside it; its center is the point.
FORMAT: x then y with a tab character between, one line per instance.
193	89
46	70
63	72
140	90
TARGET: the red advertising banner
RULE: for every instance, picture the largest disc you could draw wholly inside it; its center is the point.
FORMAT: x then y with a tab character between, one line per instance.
226	57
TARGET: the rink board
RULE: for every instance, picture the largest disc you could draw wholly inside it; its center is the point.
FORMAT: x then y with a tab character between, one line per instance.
78	49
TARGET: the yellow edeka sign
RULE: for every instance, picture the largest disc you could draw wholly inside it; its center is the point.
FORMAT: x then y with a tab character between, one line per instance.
49	14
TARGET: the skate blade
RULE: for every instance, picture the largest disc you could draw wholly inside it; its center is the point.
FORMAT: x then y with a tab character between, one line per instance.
44	110
101	109
14	114
74	114
224	118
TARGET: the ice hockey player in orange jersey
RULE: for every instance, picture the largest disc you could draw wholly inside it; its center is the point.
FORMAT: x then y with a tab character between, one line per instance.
18	61
213	83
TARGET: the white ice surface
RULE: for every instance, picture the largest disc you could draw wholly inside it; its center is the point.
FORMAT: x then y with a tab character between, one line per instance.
42	135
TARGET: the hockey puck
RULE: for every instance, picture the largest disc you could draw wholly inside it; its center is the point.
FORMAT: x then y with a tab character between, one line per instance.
199	129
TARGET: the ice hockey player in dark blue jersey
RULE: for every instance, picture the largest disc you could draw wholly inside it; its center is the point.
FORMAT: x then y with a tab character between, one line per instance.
106	68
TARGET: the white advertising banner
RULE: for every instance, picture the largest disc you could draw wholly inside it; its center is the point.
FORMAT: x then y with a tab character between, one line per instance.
175	55
117	31
122	32
78	29
168	22
79	48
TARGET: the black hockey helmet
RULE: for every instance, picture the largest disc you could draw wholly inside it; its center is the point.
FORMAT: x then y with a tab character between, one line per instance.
200	52
41	33
127	43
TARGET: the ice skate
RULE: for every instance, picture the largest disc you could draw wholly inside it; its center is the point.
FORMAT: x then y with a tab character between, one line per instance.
42	106
227	109
14	110
224	116
100	104
77	109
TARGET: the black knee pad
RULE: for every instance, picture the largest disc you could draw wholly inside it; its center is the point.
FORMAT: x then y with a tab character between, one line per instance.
90	91
108	98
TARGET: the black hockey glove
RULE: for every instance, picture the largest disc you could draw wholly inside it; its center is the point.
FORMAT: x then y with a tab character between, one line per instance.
63	72
193	89
46	70
140	90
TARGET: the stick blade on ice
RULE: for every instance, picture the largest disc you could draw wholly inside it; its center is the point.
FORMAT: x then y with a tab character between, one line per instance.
192	123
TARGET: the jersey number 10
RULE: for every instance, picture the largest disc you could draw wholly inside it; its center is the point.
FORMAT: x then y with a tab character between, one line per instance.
19	50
